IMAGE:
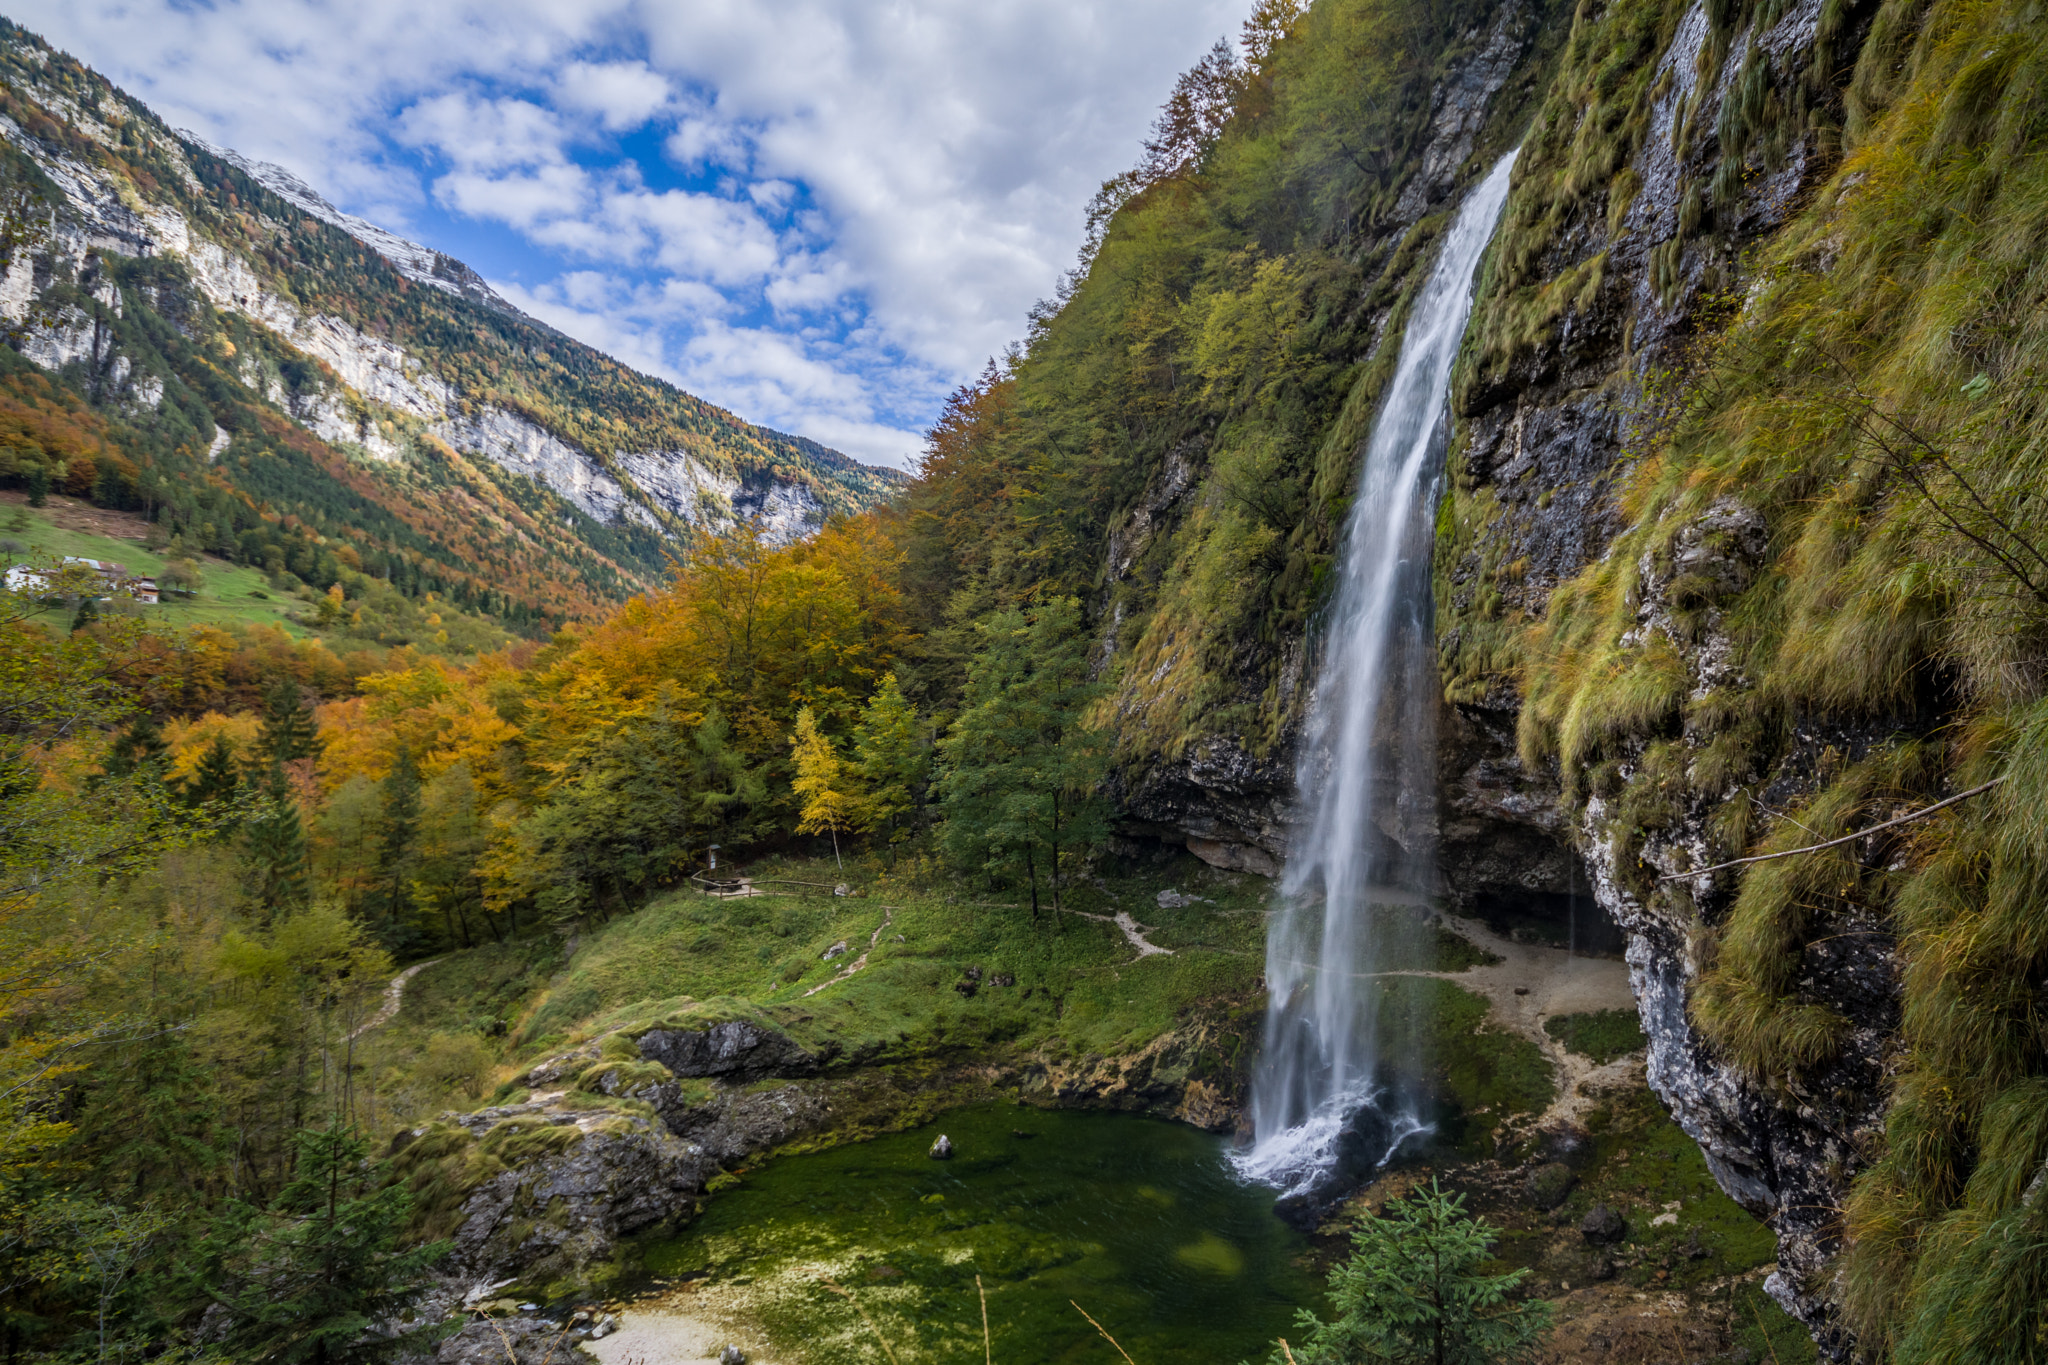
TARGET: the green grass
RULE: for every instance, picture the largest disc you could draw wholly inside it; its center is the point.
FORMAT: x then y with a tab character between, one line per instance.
1080	989
1602	1035
229	595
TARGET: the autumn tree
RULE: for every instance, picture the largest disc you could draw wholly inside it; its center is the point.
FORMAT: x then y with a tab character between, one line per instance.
822	802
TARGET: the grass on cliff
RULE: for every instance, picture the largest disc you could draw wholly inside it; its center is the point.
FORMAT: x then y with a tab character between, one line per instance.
1875	395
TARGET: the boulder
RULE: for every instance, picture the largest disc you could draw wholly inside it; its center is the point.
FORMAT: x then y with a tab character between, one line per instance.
942	1150
1602	1226
737	1049
1550	1184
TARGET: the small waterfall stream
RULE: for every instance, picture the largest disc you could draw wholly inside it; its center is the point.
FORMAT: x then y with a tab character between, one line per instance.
1366	769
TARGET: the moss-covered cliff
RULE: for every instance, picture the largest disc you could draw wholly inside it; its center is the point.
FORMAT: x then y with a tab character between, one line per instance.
1746	533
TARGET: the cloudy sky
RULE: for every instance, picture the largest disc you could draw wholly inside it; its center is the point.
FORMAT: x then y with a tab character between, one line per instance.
822	214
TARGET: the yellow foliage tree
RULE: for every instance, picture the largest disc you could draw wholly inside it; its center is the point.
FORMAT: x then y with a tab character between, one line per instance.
819	777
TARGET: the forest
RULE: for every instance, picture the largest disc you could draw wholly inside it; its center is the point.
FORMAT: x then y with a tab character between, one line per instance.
1738	568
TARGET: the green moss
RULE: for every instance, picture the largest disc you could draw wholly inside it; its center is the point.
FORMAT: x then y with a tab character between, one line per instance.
1602	1035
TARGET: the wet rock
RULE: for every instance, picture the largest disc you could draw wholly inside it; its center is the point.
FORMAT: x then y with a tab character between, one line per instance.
1550	1184
737	1049
942	1150
563	1209
1602	1226
1568	1143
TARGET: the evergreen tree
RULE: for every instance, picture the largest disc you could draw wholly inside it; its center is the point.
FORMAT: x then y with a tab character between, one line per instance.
1019	789
274	844
890	760
398	833
217	776
1412	1294
139	748
316	1276
823	806
88	613
288	730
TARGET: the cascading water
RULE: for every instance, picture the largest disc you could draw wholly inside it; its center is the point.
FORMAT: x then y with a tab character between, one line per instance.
1366	769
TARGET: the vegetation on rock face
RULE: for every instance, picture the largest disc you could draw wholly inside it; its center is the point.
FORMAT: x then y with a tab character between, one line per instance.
1177	441
1843	513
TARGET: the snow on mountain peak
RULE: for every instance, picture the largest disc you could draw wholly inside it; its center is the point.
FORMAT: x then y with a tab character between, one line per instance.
421	264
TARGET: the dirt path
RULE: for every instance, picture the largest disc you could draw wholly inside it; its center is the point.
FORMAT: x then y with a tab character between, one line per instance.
1134	932
1551	982
888	913
394	997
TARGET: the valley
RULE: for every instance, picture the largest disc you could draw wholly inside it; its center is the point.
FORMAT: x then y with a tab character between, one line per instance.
1451	738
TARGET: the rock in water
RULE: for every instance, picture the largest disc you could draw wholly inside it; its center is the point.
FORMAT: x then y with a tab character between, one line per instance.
1550	1183
732	1355
942	1150
1602	1225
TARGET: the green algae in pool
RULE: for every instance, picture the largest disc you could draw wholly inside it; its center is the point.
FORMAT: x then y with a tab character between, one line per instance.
1137	1220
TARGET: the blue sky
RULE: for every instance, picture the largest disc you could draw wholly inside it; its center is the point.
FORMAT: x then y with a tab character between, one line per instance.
822	214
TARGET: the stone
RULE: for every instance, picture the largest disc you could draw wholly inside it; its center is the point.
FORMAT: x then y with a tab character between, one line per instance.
1566	1142
1002	979
1550	1184
967	988
942	1150
838	949
1602	1226
732	1355
1603	1269
737	1049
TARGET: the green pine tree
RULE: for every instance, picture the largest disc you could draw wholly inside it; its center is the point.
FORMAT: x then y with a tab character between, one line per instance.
139	748
88	613
890	761
274	845
398	832
317	1275
1413	1294
288	729
216	778
1020	787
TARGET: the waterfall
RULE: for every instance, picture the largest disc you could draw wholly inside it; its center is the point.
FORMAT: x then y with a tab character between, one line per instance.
1321	1094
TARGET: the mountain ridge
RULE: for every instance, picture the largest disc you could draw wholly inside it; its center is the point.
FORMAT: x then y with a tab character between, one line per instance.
193	295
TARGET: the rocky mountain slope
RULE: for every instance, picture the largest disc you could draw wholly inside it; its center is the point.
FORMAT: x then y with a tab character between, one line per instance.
218	319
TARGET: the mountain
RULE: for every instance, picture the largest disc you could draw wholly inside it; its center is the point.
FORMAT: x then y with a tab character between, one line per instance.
205	339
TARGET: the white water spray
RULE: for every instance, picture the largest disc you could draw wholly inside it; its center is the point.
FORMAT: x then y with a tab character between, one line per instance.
1366	770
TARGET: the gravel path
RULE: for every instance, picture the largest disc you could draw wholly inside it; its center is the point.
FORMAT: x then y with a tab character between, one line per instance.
394	997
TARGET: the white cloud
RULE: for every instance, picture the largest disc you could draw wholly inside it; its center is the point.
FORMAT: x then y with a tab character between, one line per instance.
622	94
901	182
